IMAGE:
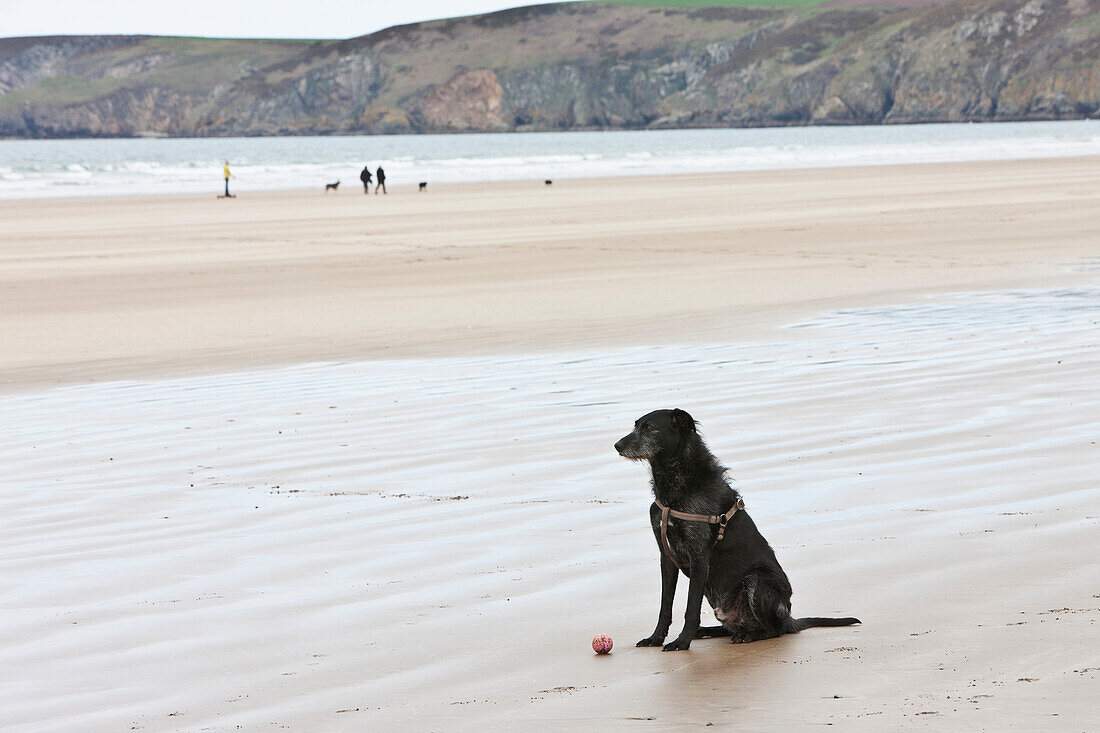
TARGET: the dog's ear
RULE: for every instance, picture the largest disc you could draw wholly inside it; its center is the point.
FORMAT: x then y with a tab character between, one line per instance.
682	421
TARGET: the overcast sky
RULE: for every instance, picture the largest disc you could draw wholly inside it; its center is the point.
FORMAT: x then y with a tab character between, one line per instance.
230	18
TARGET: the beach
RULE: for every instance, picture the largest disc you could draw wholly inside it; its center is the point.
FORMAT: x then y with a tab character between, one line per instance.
107	288
344	462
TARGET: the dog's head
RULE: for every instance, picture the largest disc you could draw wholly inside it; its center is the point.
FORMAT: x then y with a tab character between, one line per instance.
661	431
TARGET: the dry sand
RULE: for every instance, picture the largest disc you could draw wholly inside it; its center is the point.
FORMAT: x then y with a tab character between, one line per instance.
209	524
107	288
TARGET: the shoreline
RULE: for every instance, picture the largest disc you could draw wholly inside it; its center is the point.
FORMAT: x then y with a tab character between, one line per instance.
216	190
97	289
182	165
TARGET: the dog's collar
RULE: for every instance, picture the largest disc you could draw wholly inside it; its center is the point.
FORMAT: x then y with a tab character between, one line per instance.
720	519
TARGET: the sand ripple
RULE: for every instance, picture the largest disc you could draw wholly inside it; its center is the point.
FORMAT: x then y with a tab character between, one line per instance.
347	546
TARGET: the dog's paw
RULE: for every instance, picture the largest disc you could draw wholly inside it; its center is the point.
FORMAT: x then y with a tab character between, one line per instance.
747	637
740	635
651	641
677	646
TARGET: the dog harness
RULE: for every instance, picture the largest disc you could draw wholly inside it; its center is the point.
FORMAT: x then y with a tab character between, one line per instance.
720	519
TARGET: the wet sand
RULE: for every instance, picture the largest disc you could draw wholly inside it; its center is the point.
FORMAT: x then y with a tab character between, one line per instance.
229	505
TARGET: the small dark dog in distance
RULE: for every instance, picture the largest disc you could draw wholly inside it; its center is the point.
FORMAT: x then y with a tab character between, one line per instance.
423	187
332	187
720	549
549	182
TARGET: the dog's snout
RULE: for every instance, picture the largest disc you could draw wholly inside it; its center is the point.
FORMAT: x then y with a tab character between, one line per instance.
628	447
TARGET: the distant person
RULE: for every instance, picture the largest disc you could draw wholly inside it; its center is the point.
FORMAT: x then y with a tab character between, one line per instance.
228	175
381	176
365	177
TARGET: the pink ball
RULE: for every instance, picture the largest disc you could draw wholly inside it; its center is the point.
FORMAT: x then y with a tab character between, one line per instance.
601	644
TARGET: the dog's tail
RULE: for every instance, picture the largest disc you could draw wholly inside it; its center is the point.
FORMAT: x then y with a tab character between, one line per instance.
811	621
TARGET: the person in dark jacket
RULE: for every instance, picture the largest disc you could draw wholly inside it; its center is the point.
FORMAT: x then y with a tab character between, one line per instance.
365	178
381	176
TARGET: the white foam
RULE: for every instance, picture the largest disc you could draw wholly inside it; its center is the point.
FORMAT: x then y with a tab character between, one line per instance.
36	168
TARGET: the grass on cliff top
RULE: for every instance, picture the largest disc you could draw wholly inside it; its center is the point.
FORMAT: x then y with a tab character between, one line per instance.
59	91
719	3
207	40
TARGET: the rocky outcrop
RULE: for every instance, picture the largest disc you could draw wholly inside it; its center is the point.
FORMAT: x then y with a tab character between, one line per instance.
575	66
24	62
634	92
975	61
470	100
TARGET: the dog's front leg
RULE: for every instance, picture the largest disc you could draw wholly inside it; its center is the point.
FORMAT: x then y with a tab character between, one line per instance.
669	575
700	568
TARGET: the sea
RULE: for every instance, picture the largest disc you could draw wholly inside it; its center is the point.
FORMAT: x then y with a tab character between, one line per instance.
126	167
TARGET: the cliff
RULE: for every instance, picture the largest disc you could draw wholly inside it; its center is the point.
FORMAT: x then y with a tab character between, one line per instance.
575	66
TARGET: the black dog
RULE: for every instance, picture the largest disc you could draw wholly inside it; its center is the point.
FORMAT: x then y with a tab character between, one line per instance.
332	187
423	187
549	182
720	549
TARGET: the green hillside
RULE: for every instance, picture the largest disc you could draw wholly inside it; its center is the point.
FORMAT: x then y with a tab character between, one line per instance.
722	3
607	65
